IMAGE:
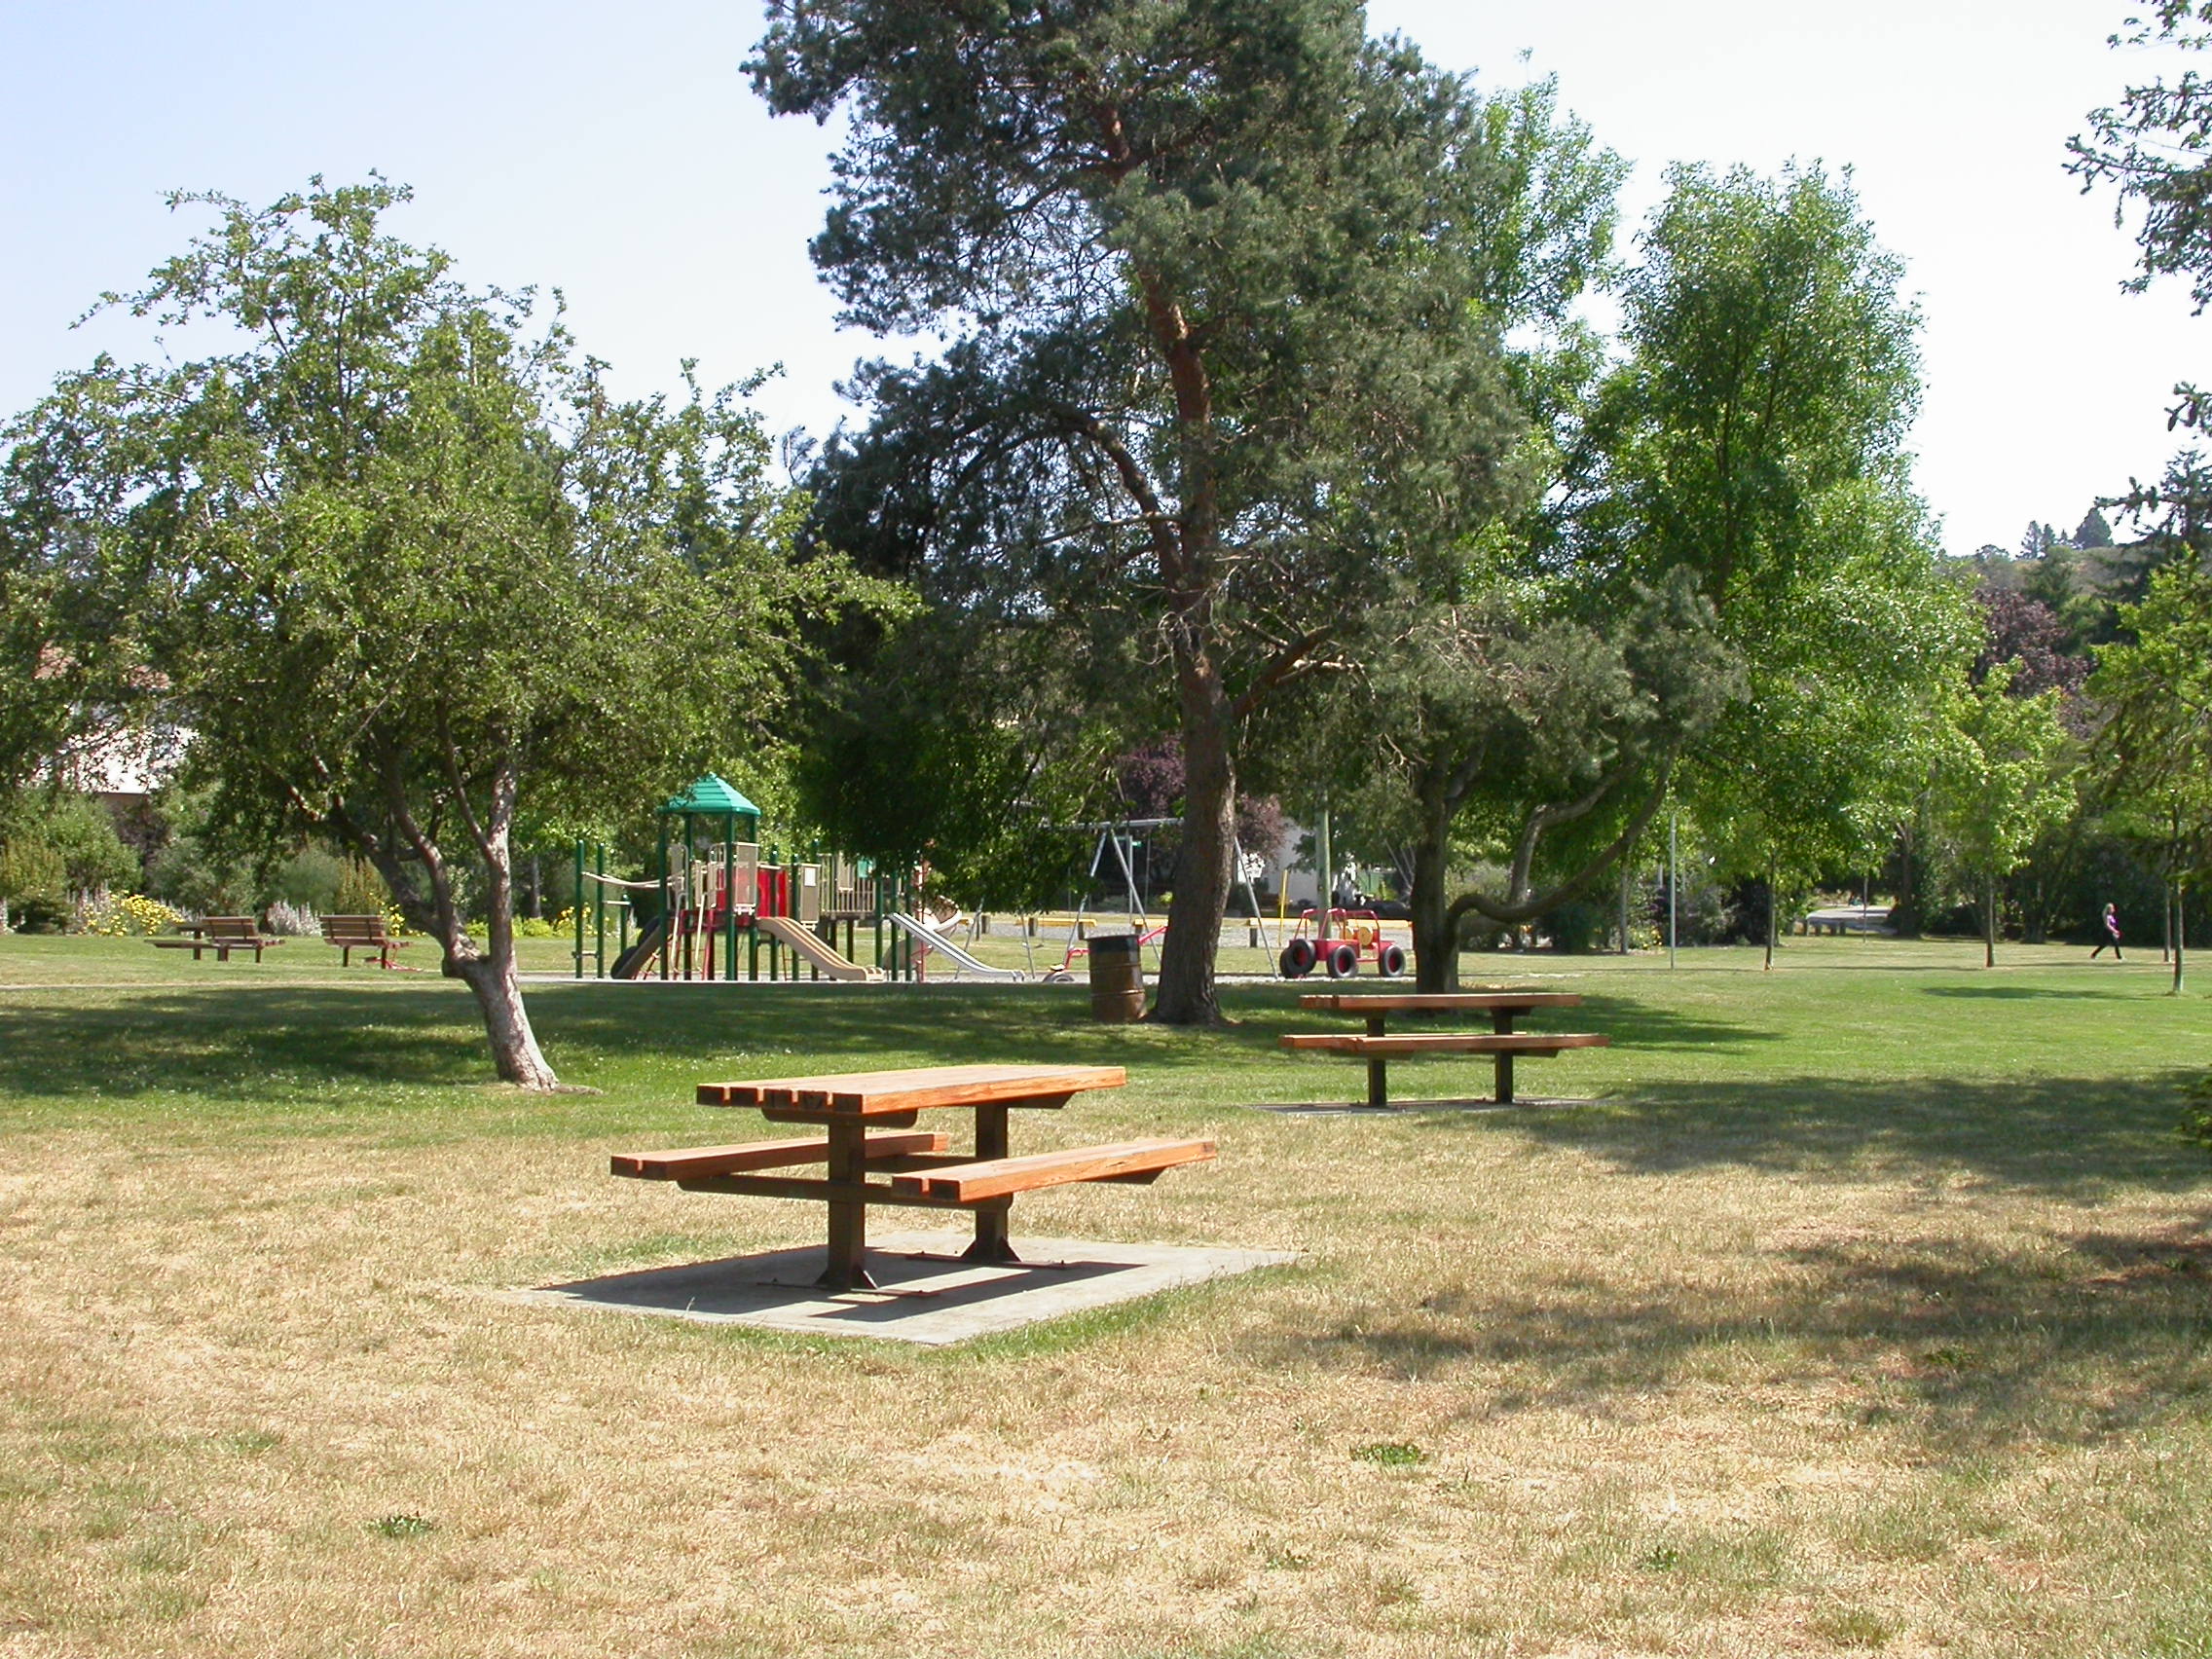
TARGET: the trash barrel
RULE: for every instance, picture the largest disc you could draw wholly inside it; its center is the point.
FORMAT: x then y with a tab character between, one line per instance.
1117	982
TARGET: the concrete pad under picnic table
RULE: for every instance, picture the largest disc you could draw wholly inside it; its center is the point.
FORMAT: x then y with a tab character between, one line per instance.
924	1292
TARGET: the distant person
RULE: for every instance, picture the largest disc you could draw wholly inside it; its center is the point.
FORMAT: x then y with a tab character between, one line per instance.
2111	940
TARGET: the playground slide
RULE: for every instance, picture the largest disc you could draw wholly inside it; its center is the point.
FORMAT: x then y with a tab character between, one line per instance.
966	964
634	961
809	948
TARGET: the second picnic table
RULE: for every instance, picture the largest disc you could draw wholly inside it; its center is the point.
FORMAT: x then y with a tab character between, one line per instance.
868	1119
1378	1045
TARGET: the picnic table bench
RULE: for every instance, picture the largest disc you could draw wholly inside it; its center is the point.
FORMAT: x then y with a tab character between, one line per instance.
220	933
363	934
867	1120
1378	1045
1841	919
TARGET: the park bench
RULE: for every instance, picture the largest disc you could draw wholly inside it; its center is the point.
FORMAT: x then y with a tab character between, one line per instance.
1839	919
221	935
867	1122
1377	1047
363	934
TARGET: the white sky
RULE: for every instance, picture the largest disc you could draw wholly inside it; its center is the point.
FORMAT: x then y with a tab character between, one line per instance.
614	152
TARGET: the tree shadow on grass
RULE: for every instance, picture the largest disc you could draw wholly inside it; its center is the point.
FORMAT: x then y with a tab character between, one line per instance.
1970	1344
997	1023
2078	1137
1640	1025
284	1044
2025	993
221	1044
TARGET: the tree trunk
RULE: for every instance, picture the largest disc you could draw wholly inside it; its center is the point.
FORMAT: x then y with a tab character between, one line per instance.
1627	861
515	1053
2180	931
507	1022
1773	914
1186	991
1989	922
1436	933
490	972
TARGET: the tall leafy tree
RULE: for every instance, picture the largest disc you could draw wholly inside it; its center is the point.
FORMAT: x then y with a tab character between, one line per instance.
399	563
1755	439
2156	747
1221	287
2003	781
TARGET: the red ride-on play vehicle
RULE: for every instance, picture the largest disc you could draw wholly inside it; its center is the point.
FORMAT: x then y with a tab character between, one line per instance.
1345	937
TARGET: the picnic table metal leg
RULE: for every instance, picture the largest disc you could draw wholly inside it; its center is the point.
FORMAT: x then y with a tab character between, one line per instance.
1501	1023
990	1219
1377	1078
846	1267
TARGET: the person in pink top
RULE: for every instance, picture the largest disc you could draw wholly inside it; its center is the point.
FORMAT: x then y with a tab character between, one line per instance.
2111	939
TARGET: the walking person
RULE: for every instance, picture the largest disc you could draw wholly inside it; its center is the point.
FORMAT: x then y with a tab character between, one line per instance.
2111	939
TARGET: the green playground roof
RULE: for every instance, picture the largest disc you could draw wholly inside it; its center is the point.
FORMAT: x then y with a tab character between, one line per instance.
711	797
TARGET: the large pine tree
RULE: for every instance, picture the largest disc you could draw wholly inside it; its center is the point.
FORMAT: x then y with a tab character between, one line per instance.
1218	287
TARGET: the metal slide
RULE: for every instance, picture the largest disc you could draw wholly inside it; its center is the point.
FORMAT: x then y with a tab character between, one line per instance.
931	939
805	945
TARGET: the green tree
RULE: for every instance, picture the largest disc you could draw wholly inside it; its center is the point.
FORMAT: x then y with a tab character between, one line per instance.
1516	736
2005	779
1223	286
55	844
2151	148
394	559
2156	747
1756	438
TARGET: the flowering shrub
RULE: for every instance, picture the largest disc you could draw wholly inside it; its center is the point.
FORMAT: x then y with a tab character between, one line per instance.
293	921
132	915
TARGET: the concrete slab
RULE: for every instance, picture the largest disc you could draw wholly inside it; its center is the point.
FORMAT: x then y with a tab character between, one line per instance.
925	1292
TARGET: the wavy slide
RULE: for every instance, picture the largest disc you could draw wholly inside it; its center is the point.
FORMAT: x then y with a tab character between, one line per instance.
930	938
809	948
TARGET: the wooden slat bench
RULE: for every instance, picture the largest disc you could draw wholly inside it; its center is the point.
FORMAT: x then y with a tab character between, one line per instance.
692	1163
363	934
221	935
1377	1047
1143	1162
858	1109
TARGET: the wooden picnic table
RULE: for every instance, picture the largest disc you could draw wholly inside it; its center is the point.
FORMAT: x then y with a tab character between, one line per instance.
1378	1045
220	933
868	1119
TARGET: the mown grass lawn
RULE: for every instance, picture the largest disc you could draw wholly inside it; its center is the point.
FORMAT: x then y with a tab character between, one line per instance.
1870	1309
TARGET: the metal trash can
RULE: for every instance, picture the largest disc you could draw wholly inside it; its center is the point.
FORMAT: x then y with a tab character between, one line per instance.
1117	982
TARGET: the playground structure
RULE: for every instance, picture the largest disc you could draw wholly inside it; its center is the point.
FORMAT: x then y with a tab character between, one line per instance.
721	907
717	908
1116	838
